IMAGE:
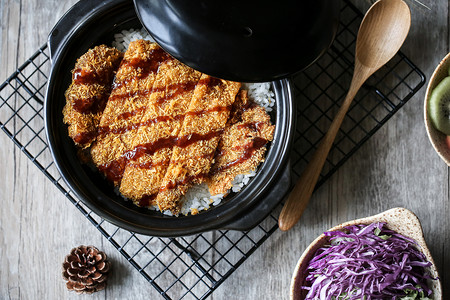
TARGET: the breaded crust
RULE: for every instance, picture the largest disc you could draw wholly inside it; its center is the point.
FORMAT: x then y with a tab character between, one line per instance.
242	145
164	126
172	93
87	95
126	106
196	144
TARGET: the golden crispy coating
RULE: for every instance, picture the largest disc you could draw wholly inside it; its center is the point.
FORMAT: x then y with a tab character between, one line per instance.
87	94
156	127
172	92
126	106
241	147
196	144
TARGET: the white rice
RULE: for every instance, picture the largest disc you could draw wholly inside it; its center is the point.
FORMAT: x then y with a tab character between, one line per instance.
123	38
198	197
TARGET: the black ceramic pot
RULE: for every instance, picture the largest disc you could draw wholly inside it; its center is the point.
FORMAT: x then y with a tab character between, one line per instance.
90	23
242	40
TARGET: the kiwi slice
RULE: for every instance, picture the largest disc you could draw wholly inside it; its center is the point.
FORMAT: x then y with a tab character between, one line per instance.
439	106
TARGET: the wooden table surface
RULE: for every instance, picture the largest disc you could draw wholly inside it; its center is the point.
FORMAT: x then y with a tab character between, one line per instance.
396	167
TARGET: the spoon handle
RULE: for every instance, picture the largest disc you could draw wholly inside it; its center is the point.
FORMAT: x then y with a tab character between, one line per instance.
299	197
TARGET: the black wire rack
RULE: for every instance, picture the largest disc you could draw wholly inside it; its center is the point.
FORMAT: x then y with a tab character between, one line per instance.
193	267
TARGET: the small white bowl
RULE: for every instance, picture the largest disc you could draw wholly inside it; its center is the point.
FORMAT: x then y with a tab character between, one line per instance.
437	138
400	220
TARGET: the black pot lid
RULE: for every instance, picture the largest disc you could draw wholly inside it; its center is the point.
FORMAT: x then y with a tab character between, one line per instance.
242	40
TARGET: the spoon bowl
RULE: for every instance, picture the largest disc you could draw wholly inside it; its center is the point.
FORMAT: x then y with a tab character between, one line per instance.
382	33
380	36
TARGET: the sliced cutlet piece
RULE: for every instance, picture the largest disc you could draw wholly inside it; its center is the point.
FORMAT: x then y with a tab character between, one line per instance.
88	93
241	103
172	93
192	156
242	146
126	106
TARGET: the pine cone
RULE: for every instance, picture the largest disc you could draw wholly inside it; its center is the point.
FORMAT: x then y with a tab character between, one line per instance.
85	269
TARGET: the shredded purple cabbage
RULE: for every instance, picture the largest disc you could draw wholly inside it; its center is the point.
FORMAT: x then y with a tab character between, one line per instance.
367	262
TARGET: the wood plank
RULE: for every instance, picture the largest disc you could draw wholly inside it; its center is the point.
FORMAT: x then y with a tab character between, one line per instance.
396	167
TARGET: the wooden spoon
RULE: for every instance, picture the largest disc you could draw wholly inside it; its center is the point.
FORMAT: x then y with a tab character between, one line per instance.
381	34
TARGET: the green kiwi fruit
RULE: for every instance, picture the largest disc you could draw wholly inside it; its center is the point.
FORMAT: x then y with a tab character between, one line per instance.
439	106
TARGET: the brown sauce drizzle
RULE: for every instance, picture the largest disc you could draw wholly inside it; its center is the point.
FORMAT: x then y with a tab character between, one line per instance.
211	110
210	81
117	97
149	164
85	137
92	105
95	103
147	200
174	90
150	148
186	140
145	66
114	169
105	130
82	76
248	150
148	65
205	155
174	183
162	119
253	126
128	114
249	105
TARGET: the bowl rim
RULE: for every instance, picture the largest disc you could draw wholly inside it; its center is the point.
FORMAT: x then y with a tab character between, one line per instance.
433	134
387	216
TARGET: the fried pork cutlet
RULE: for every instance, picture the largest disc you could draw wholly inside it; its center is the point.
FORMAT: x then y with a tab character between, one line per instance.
126	106
88	93
197	141
242	145
172	93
